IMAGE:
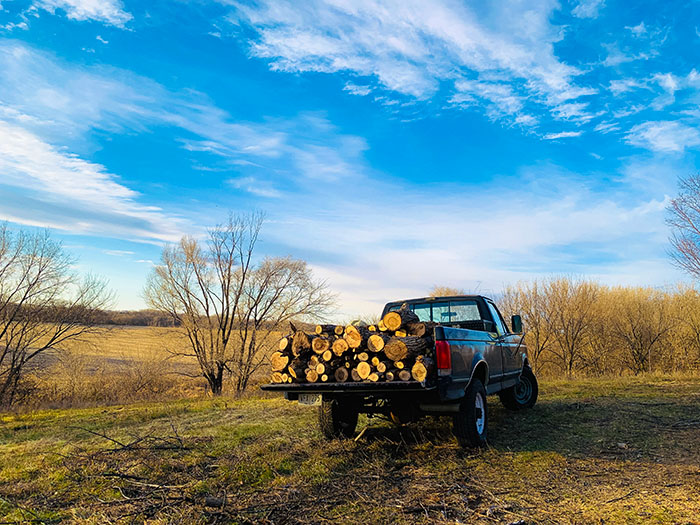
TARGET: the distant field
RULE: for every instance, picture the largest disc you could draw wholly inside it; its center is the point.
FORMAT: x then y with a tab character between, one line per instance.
121	364
592	451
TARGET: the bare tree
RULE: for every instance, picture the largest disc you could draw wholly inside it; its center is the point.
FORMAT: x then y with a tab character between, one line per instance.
228	306
532	302
684	220
43	303
572	310
445	291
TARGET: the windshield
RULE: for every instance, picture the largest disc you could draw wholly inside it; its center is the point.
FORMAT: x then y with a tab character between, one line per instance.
446	311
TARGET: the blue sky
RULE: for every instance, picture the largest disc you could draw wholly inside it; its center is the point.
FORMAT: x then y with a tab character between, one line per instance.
394	145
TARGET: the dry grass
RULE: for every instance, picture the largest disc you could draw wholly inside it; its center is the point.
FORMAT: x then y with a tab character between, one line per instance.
610	450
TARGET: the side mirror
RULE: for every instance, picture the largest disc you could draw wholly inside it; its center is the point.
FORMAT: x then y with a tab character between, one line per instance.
517	323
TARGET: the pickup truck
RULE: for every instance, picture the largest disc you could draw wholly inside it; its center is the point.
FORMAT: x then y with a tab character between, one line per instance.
476	354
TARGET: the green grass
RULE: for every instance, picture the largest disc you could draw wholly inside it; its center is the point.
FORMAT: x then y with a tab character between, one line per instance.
620	451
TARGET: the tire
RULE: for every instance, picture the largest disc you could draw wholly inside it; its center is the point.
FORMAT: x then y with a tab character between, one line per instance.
470	424
524	394
337	418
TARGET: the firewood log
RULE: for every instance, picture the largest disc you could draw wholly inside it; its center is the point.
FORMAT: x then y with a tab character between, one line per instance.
338	330
340	346
374	377
341	374
300	342
376	342
390	375
423	367
401	348
375	361
399	365
381	326
398	318
372	328
312	376
404	375
363	369
321	368
285	378
325	329
283	344
401	333
363	356
278	361
296	368
276	377
313	361
356	336
320	345
324	378
327	355
355	375
382	366
421	329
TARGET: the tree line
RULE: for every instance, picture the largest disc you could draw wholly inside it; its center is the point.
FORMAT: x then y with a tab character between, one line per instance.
578	326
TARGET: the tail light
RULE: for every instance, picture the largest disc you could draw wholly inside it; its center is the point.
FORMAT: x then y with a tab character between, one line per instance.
443	356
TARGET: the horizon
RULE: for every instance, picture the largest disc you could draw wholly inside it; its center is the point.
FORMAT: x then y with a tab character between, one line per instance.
393	146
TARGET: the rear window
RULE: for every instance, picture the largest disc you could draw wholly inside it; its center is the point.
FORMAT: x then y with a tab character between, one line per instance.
445	311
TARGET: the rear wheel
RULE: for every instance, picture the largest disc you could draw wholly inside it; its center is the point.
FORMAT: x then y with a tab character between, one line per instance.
337	418
524	394
470	424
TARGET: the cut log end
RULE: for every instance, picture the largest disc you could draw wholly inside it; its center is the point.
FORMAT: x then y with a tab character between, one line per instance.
363	369
312	376
404	375
320	344
398	318
283	344
278	361
341	375
340	346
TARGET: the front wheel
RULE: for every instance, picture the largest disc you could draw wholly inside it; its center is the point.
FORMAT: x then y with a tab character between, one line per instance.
524	394
337	418
470	424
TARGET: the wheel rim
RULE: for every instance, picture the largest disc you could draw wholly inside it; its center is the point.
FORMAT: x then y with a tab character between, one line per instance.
523	391
480	413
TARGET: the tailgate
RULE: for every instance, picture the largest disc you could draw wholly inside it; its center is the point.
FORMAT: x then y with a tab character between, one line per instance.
360	388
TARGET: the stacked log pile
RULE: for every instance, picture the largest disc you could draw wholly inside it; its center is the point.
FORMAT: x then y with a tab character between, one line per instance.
398	348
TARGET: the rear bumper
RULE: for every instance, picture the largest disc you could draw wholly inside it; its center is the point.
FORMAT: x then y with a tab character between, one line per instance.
349	388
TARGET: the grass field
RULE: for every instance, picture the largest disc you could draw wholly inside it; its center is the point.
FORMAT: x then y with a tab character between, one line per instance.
592	451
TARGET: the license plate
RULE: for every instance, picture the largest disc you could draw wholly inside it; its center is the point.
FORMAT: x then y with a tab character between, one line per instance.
309	399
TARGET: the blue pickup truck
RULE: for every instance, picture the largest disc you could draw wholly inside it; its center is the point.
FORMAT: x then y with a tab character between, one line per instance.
476	354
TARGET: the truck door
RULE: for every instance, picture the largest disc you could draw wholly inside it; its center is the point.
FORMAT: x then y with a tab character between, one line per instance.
508	345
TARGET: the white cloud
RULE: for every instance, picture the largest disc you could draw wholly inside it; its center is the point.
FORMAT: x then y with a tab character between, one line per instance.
562	135
63	191
118	253
664	136
413	48
587	8
354	89
109	12
99	38
638	30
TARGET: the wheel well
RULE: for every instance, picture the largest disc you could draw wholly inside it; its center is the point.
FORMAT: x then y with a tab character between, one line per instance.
481	372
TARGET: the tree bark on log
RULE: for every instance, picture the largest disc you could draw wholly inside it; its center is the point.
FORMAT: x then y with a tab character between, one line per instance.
423	367
300	342
399	318
296	368
401	348
278	361
376	342
325	329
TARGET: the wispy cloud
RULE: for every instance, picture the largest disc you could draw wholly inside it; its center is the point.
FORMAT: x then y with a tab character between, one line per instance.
562	135
504	55
587	8
664	136
109	12
65	192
